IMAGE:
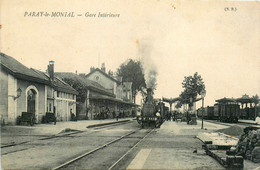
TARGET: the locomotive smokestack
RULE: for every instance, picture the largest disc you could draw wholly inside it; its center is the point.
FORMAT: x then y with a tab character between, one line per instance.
149	96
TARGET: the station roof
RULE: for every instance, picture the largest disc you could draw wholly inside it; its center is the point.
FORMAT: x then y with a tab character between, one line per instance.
92	85
105	74
108	98
57	83
226	100
245	99
170	100
20	71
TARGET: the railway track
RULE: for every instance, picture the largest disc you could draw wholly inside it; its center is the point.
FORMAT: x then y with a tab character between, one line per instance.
75	162
241	124
26	145
41	137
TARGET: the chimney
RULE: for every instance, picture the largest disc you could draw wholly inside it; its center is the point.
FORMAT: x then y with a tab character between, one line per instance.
51	70
110	73
92	69
103	68
149	99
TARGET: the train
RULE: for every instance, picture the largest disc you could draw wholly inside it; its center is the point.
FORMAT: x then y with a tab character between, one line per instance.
227	110
152	111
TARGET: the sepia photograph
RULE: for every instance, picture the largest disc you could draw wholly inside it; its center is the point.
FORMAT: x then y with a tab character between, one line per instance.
134	84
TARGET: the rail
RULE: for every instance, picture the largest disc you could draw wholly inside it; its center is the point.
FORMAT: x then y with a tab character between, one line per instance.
103	146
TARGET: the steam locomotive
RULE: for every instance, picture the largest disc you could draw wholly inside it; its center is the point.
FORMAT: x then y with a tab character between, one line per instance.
152	111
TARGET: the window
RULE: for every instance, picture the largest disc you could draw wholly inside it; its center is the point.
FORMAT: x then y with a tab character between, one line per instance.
58	94
97	77
50	107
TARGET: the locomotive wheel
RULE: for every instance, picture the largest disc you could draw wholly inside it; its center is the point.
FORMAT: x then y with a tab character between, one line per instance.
157	123
139	121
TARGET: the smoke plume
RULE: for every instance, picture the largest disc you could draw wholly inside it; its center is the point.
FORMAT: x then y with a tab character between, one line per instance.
149	68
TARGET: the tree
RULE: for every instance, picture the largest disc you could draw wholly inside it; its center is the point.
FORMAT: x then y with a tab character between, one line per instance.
131	71
255	100
82	90
178	105
81	97
193	86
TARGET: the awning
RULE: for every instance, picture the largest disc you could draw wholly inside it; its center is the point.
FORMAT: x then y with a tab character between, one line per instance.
245	99
171	100
108	98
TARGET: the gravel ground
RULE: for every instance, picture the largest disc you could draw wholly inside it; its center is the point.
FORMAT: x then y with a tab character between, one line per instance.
43	154
232	131
20	134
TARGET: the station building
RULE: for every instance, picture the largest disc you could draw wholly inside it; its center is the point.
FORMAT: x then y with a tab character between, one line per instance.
33	91
123	104
106	96
87	107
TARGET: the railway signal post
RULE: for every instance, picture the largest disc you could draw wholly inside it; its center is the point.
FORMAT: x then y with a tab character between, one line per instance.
203	94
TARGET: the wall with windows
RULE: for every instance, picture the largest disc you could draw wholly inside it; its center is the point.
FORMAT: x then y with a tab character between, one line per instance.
119	92
50	100
65	104
39	101
35	97
12	107
3	96
104	81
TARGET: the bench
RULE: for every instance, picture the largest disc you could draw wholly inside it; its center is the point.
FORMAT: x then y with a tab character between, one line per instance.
49	117
26	117
178	120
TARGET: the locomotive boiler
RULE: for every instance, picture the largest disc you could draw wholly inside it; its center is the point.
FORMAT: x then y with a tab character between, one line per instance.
151	112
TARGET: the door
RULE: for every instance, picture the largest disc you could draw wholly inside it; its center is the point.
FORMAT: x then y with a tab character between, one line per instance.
31	95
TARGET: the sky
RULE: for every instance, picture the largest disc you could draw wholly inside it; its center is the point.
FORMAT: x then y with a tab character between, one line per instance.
175	38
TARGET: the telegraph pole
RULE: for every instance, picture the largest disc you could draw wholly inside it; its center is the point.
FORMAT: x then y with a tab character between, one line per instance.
203	94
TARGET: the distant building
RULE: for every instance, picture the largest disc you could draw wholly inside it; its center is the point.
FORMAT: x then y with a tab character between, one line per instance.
93	103
127	92
100	76
122	104
122	90
61	97
30	90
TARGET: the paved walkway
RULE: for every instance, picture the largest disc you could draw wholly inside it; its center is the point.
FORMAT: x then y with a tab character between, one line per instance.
249	121
176	148
181	150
